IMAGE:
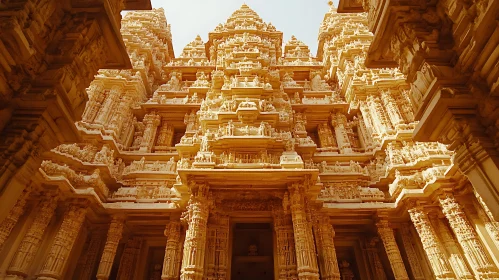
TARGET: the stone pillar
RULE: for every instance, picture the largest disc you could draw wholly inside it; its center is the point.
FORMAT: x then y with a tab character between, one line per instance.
216	261
380	122
90	255
195	239
129	259
455	257
325	248
95	99
14	214
485	216
339	122
412	256
306	258
364	134
120	114
392	108
23	258
58	254
151	123
392	250
431	244
170	263
285	244
107	107
114	235
377	270
467	237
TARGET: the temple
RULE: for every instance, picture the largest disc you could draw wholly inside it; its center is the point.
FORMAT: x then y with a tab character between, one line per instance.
245	156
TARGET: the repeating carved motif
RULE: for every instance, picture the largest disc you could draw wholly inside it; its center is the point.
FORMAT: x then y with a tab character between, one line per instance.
31	242
64	240
410	250
11	220
387	236
113	237
431	243
171	262
467	237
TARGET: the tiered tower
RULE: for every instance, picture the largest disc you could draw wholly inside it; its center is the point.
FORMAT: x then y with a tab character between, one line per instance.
247	157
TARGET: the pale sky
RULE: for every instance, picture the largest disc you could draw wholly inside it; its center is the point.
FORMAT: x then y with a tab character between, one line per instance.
189	18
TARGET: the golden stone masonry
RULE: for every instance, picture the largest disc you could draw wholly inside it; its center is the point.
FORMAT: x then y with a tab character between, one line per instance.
246	157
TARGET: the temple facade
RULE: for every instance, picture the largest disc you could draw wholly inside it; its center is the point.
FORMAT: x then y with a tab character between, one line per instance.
246	157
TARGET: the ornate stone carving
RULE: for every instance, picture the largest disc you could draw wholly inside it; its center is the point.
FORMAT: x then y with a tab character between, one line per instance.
113	238
392	250
64	240
467	237
431	243
171	262
24	257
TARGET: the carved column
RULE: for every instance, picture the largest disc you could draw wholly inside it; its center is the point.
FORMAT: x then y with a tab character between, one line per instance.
377	270
392	108
120	114
195	239
455	256
485	216
325	248
129	259
378	115
412	256
339	122
23	259
170	263
304	242
285	244
216	261
14	214
64	240
364	134
95	98
431	244
107	107
108	254
467	237
392	250
90	255
151	123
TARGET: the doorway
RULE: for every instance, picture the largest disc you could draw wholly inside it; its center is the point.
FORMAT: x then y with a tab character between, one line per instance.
252	252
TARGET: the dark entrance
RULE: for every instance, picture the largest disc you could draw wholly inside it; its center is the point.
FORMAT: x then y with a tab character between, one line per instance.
252	254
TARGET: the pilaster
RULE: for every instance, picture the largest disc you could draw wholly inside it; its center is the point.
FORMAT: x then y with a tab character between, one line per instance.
410	250
467	237
11	220
64	240
170	264
377	270
23	259
431	244
129	258
325	248
455	257
305	248
387	236
114	235
285	244
195	239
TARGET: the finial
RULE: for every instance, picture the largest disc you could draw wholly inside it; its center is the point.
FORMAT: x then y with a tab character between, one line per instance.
330	3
